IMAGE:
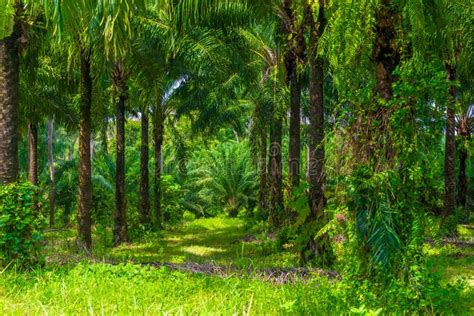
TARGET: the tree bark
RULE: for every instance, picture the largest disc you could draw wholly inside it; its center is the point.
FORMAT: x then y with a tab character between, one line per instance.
145	215
158	136
262	196
294	161
316	118
294	54
465	137
450	150
9	103
316	147
51	172
462	195
33	153
120	229
85	164
275	170
387	58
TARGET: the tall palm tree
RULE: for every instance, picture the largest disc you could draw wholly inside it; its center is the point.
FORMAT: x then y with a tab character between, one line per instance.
10	38
182	42
452	34
294	58
76	24
268	60
316	134
84	25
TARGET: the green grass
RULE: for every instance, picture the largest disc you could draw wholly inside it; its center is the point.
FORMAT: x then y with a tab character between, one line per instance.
220	240
70	285
452	263
104	289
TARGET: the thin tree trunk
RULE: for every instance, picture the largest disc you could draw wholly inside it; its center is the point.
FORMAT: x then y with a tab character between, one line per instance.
275	170
85	166
51	171
463	156
120	229
462	178
294	165
144	172
294	54
9	103
450	151
33	153
158	135
262	197
316	174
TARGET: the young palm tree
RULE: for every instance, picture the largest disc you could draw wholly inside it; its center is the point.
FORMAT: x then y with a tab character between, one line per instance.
225	174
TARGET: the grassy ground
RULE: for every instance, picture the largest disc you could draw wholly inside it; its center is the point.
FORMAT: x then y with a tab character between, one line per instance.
69	285
221	240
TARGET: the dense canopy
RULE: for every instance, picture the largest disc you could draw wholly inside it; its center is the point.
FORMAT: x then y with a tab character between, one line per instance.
326	145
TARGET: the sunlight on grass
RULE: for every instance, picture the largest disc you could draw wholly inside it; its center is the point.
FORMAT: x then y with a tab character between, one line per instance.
465	232
452	262
82	288
202	251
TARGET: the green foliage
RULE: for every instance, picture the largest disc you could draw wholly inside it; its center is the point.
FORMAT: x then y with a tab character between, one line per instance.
20	224
6	18
130	288
225	177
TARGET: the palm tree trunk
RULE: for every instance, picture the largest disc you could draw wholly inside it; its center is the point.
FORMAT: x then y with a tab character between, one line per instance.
450	151
387	58
144	173
463	156
158	135
316	118
275	170
120	229
33	153
85	164
51	172
462	197
9	104
295	52
262	197
295	123
316	247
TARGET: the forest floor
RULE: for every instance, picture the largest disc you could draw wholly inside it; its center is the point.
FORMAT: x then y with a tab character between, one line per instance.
206	266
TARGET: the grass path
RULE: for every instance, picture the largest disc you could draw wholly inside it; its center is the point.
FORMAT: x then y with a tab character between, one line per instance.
82	288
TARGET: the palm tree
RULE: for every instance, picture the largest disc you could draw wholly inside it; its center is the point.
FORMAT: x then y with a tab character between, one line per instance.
294	56
75	24
145	216
316	135
120	88
225	173
177	46
10	38
268	107
452	40
87	24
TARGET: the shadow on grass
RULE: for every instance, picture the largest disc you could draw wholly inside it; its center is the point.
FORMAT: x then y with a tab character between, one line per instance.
219	240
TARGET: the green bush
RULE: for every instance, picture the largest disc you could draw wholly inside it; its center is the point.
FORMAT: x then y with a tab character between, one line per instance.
20	223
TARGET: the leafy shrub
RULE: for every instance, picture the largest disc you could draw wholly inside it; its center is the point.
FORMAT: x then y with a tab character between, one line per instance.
20	222
225	178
